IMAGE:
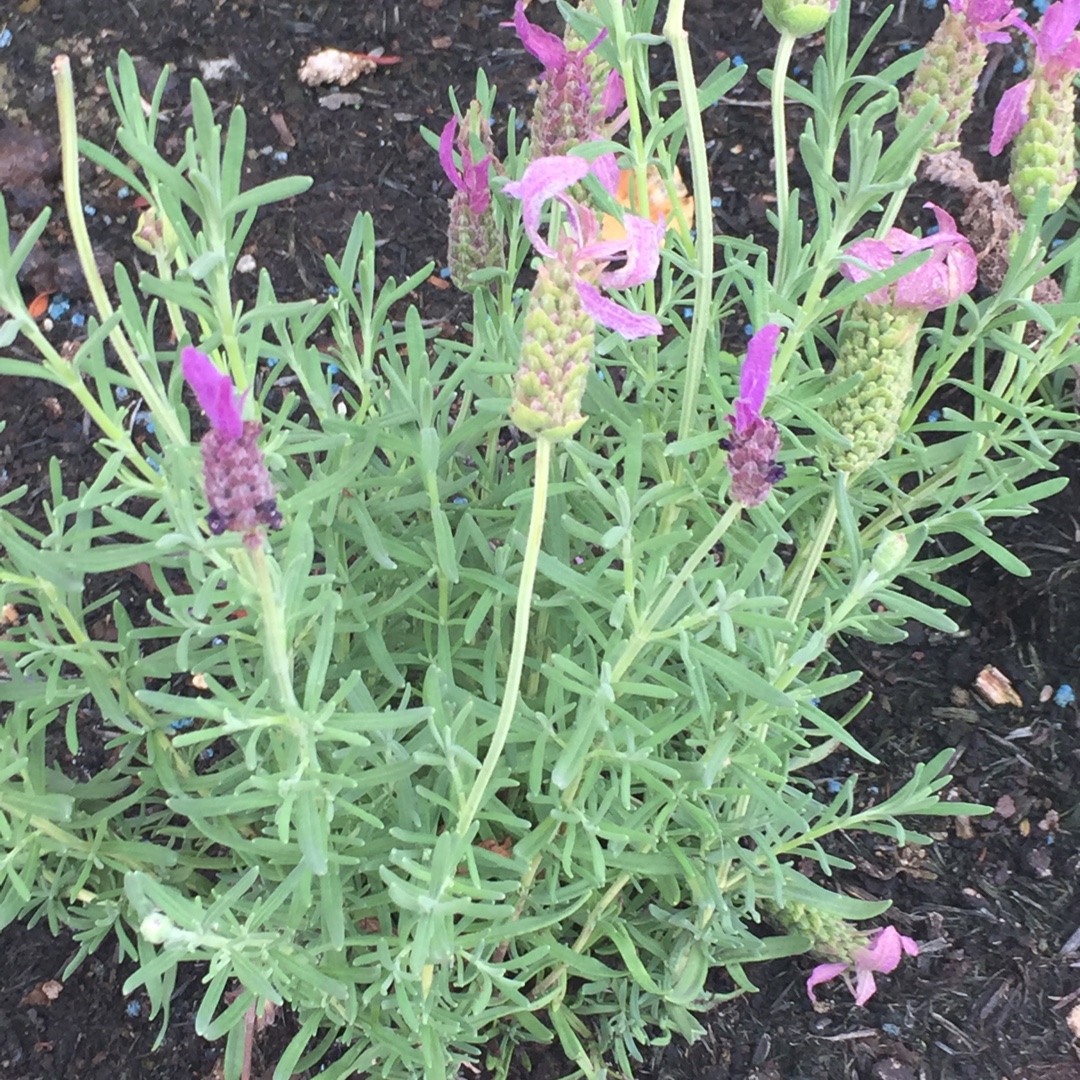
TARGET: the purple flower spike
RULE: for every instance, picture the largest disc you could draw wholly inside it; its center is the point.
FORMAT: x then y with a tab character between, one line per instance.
990	19
215	392
754	443
586	256
1057	57
950	271
472	178
883	953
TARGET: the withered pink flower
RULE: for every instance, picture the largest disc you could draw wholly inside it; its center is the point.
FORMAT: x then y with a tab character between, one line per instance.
882	953
950	271
754	443
237	483
584	255
990	19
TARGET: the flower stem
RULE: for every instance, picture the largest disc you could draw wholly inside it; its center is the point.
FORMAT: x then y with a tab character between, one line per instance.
69	151
275	639
521	639
677	38
780	162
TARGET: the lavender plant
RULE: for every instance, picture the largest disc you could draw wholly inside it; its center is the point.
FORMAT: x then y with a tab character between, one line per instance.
478	696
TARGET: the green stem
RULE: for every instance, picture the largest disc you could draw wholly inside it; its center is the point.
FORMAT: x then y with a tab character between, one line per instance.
780	162
642	635
521	638
69	151
275	638
679	42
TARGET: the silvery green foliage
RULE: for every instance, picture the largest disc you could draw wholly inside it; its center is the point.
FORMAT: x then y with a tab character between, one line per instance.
293	733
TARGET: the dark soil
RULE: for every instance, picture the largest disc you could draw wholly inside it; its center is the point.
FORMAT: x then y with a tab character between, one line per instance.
993	902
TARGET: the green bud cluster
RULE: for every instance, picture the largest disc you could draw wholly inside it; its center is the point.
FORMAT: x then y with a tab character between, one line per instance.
799	17
878	343
474	242
947	76
831	935
556	351
1044	152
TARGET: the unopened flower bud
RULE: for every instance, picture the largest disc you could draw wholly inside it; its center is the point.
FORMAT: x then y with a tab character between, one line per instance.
155	235
799	17
889	554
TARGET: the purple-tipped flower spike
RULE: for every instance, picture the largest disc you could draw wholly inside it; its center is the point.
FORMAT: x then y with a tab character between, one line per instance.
880	333
578	94
235	476
882	953
583	254
1038	113
953	60
474	240
754	443
950	271
566	303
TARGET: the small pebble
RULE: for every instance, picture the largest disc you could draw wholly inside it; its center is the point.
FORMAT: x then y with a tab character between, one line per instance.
933	416
335	389
78	319
444	273
133	1008
271	361
246	264
738	61
332	369
124	192
1018	65
331	290
182	724
217	642
1064	696
58	307
281	156
717	202
122	393
5	38
89	211
460	500
832	786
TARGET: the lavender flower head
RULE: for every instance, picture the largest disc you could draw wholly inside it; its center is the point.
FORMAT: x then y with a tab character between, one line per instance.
882	953
754	443
1057	58
569	109
235	476
581	251
949	272
474	239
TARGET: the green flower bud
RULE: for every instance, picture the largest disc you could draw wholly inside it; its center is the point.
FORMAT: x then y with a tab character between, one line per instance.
1044	152
830	934
878	343
947	77
799	17
556	351
889	554
155	235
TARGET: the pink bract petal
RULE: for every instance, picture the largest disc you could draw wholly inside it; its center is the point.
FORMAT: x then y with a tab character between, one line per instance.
756	372
1010	116
606	169
630	324
544	178
823	973
1056	29
215	393
546	47
614	94
446	154
642	249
